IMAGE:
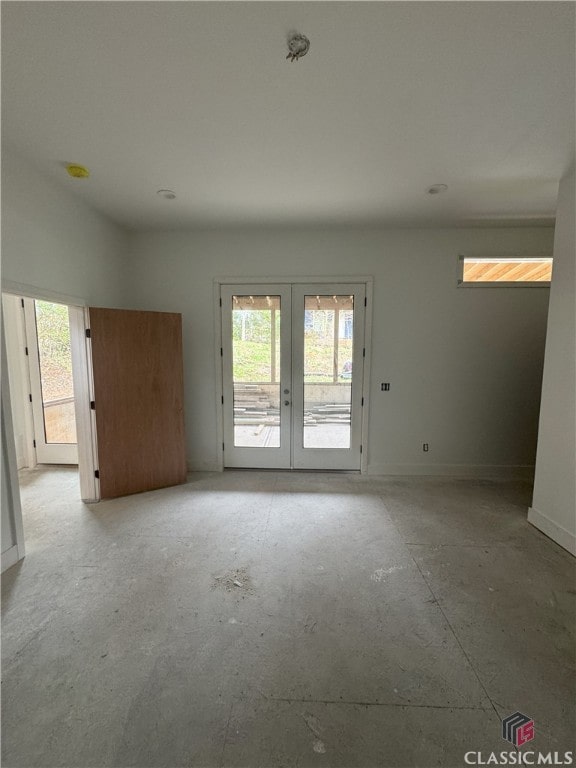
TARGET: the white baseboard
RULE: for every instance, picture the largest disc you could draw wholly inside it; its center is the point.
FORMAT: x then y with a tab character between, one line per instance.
554	531
203	467
507	472
10	557
502	471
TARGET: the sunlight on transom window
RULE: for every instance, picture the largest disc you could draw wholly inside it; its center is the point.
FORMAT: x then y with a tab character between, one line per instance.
506	270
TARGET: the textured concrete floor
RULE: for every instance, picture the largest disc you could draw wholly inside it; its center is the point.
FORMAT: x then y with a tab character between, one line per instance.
373	622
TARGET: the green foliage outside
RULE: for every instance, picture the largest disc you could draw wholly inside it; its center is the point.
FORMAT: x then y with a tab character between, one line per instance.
252	337
319	359
251	333
54	348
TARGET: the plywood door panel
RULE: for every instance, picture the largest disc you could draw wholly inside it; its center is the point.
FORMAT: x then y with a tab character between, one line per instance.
138	389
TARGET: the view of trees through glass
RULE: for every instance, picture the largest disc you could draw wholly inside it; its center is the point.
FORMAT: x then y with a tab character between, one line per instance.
53	331
252	331
54	348
253	343
327	382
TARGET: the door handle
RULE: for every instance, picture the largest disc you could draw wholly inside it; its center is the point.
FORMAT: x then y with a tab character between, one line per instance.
286	402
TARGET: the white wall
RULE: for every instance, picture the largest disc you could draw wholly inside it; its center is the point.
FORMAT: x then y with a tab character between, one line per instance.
465	365
554	501
52	241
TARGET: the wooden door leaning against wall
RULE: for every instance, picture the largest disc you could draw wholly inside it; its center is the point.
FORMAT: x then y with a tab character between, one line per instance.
139	399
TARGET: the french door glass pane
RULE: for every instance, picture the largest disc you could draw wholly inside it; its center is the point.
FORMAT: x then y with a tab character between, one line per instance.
53	331
328	348
256	371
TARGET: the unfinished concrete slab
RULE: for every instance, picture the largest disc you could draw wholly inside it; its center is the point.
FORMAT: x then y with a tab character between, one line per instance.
276	619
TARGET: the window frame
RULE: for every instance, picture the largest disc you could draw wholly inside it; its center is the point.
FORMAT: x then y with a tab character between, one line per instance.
461	283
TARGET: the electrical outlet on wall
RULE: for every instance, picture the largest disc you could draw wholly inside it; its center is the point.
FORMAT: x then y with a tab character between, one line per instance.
425	447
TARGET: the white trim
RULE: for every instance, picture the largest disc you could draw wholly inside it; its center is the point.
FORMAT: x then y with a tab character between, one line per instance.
556	532
10	557
219	378
506	259
504	471
291	280
518	284
366	375
83	393
35	292
16	306
209	466
13	489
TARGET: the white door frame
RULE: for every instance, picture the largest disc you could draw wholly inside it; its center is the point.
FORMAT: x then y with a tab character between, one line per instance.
81	347
17	550
19	375
367	280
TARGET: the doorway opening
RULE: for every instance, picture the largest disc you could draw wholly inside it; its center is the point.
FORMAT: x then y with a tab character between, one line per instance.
38	404
39	362
102	392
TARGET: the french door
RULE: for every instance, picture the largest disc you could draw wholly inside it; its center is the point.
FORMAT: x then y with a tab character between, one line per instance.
292	362
51	384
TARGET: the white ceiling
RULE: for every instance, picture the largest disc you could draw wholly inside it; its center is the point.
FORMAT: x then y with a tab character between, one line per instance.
199	97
